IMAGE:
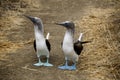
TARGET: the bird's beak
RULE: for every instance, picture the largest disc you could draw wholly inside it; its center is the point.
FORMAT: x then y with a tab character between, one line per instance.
31	18
62	24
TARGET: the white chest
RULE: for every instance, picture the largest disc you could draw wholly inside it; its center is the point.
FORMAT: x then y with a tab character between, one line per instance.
40	40
67	43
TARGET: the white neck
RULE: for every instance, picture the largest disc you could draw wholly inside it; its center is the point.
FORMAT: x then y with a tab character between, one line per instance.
38	33
68	38
68	42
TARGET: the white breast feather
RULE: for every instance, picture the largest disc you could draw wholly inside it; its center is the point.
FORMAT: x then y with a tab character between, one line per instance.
67	43
40	43
68	47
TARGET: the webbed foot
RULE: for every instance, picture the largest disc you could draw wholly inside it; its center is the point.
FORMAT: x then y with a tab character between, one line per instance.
64	67
47	64
72	67
38	64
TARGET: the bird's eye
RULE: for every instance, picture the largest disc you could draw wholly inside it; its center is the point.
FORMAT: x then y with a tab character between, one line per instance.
66	23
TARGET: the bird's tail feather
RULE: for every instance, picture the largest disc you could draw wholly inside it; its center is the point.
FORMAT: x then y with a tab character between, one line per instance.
47	36
80	37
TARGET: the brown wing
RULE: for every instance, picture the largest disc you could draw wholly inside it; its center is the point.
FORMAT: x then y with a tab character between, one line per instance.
78	47
48	45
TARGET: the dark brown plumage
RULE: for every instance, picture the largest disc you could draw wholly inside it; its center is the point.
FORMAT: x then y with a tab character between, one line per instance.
78	46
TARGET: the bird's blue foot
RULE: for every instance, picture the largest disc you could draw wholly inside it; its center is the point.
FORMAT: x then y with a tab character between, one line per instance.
72	67
64	67
47	64
38	64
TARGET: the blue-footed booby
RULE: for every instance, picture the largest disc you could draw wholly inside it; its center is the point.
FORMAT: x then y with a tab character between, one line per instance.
70	49
41	45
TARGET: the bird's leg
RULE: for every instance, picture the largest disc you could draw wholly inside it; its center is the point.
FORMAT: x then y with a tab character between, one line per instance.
39	62
64	66
73	67
47	62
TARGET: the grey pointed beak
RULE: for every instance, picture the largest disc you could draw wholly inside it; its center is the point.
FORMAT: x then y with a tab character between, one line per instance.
31	18
62	24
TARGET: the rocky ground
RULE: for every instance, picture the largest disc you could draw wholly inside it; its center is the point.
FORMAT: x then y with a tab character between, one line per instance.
99	20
